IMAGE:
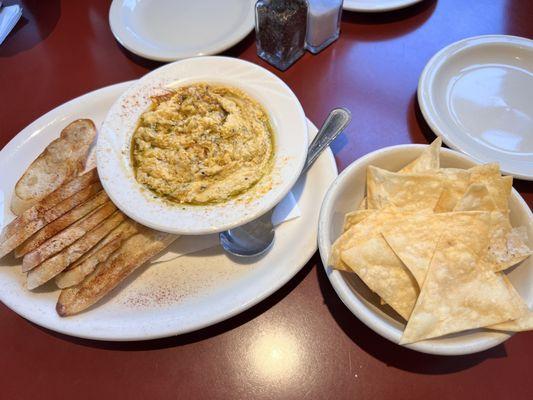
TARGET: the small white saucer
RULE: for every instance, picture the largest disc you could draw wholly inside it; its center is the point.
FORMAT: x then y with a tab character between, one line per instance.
169	30
477	95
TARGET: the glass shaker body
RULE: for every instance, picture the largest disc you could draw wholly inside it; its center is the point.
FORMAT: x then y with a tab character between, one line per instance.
323	23
280	29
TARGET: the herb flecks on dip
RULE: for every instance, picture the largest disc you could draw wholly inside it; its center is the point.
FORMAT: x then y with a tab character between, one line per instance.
202	144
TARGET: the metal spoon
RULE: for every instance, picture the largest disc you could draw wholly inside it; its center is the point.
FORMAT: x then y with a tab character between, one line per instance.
257	236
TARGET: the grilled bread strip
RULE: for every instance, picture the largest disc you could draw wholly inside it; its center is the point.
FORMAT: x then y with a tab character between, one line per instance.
53	266
134	252
27	228
62	160
72	276
61	223
67	236
76	272
129	227
38	210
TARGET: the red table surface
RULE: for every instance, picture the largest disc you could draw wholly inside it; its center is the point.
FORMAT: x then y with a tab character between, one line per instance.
301	341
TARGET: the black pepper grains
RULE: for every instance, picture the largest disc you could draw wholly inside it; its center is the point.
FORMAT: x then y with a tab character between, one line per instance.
280	27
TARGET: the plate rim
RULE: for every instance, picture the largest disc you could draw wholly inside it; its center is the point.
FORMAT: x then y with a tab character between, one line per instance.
121	87
347	296
424	92
397	5
114	19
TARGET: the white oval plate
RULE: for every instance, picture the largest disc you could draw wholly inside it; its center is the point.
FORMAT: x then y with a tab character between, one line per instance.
376	5
477	95
168	298
169	30
113	147
346	193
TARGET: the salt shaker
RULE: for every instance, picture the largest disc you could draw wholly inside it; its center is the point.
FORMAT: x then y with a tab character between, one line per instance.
280	28
323	23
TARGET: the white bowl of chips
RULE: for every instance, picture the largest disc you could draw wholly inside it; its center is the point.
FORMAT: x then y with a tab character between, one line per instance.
512	285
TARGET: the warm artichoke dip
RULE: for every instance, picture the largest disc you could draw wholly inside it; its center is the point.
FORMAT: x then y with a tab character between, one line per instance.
202	144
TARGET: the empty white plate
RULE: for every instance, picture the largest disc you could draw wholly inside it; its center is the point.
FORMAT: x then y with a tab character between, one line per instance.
169	30
477	95
376	5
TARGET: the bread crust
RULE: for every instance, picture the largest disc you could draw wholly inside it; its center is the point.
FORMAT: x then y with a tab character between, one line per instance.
66	237
49	209
56	264
61	223
77	271
133	253
60	161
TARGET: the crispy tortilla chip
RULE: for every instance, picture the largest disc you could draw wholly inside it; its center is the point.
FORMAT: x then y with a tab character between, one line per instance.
499	187
354	217
414	238
476	198
455	184
384	273
460	293
367	228
484	172
409	192
522	324
362	205
357	233
427	161
507	245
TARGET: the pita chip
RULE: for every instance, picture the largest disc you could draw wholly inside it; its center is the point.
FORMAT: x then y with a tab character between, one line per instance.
460	293
507	245
476	198
408	192
455	184
524	323
384	273
499	187
366	228
354	217
427	161
414	238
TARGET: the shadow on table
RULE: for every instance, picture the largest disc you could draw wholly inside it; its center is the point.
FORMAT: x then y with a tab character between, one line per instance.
234	51
201	334
416	123
410	17
388	352
140	61
38	20
241	47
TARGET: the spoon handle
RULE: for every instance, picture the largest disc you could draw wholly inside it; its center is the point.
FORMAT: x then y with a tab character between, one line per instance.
335	123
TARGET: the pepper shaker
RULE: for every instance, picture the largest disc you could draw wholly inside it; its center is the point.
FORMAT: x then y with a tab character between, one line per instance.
280	27
323	23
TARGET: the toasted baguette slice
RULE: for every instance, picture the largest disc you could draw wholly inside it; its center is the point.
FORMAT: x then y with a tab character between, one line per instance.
62	160
26	228
61	194
76	272
72	276
67	236
61	223
126	229
53	266
134	252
